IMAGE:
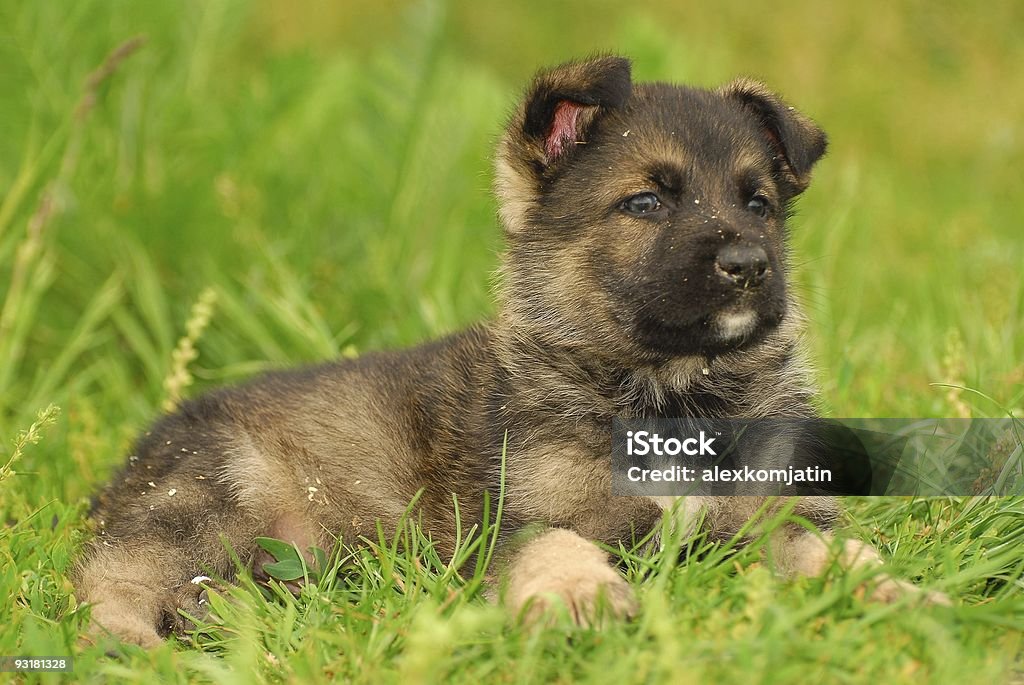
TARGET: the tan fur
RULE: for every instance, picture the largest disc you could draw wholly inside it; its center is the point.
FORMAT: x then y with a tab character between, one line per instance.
562	568
516	190
811	554
129	587
564	487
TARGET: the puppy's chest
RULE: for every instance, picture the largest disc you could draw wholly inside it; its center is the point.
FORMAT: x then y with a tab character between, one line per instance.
559	469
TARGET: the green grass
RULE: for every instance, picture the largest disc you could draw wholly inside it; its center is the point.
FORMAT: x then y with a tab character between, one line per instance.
323	171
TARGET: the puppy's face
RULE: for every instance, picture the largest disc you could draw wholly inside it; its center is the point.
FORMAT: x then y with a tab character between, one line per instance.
649	220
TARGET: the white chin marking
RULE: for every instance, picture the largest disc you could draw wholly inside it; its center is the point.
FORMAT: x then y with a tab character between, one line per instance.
736	324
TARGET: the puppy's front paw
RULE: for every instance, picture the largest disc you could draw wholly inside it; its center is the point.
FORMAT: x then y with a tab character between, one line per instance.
560	568
589	597
806	554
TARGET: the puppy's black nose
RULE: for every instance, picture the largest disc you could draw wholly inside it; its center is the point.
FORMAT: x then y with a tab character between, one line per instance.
745	266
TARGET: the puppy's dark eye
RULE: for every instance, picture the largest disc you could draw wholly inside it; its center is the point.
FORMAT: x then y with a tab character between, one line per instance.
759	205
642	203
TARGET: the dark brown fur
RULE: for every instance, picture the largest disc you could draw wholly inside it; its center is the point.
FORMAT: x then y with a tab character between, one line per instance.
604	312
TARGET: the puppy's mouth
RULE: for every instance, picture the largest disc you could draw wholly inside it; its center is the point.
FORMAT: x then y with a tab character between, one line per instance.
735	324
691	308
716	333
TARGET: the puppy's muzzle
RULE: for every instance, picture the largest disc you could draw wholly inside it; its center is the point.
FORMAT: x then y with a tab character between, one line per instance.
744	266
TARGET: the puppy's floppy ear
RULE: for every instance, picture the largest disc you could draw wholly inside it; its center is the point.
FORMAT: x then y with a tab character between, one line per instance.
558	113
562	103
797	141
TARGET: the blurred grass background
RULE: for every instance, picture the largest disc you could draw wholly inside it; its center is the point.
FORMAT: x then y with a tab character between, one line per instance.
323	169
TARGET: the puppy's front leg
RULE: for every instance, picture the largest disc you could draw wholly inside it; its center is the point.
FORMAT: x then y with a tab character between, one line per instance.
560	566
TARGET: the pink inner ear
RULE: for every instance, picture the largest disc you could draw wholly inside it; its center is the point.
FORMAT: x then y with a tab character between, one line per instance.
563	128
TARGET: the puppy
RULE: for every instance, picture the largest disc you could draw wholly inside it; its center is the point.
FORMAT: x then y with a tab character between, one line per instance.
644	276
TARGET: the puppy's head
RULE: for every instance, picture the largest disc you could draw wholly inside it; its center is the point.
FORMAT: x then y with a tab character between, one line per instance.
648	220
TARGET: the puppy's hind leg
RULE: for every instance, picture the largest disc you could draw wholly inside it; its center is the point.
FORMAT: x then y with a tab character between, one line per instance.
134	589
139	572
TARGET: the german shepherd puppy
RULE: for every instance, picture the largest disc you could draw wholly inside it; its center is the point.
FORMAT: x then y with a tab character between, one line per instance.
645	276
